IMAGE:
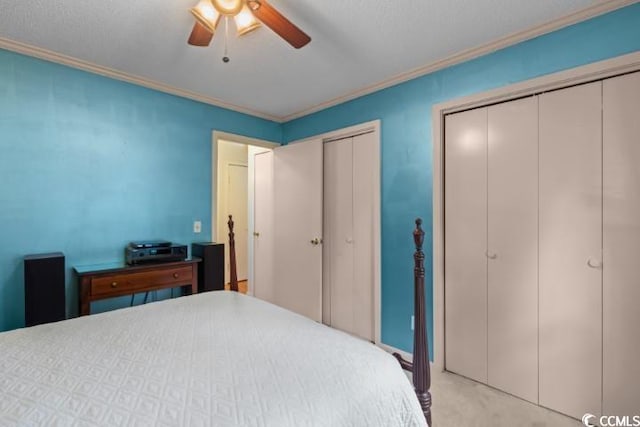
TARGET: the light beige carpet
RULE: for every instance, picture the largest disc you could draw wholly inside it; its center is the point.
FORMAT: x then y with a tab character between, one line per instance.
459	402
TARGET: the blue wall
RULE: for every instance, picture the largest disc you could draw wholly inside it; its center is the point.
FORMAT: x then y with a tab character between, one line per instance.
88	163
405	111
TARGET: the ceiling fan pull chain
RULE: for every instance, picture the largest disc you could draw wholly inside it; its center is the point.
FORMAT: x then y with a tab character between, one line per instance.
225	58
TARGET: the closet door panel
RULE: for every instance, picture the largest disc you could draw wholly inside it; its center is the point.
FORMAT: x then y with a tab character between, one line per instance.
466	243
338	226
364	188
570	238
621	317
513	248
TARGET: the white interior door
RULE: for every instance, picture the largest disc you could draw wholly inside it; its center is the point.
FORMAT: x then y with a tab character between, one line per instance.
263	227
466	243
621	316
237	196
513	248
571	250
297	212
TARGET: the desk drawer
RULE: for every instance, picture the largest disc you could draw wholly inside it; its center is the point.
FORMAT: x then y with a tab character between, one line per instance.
140	281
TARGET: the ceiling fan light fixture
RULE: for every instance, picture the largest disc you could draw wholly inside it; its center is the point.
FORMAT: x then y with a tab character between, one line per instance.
254	4
206	14
248	16
228	7
245	21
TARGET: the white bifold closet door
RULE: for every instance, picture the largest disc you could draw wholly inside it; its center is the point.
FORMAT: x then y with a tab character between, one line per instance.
549	187
466	244
571	250
621	317
491	251
513	247
349	213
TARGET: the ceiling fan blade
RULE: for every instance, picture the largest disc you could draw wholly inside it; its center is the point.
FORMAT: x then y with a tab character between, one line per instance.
278	23
200	35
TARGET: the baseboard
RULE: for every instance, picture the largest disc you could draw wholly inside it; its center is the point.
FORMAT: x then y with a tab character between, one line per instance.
406	356
389	349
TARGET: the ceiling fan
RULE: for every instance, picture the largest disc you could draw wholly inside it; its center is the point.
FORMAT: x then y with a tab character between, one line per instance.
247	14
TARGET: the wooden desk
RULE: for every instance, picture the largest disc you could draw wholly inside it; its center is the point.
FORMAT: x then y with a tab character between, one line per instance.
104	281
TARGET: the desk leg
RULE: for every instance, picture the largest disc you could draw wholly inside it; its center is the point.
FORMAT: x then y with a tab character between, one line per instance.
85	304
194	279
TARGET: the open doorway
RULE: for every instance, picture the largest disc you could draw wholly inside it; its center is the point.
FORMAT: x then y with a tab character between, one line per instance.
234	193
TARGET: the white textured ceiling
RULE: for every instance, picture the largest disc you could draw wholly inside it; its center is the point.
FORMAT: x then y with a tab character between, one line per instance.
355	43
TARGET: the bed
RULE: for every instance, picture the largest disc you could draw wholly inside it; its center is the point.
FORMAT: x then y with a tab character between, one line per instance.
212	359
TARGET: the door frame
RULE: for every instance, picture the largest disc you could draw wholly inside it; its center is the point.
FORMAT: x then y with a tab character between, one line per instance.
582	74
374	127
216	136
226	205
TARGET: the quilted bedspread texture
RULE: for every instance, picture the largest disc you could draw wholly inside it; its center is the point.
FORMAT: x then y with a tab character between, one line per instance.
214	359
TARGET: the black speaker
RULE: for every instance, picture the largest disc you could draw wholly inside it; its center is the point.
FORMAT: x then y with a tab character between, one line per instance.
44	299
211	268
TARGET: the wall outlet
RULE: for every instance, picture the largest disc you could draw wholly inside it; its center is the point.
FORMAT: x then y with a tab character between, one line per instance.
197	226
413	322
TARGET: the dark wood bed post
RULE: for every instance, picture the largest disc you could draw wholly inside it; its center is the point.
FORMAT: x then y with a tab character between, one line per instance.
233	272
420	368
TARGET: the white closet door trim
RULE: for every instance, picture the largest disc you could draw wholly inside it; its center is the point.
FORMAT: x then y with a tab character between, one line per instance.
372	126
590	72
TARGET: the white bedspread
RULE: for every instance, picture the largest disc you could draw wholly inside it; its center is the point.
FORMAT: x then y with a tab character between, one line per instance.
215	359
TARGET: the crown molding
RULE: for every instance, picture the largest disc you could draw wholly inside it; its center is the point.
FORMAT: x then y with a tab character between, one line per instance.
573	18
466	55
47	55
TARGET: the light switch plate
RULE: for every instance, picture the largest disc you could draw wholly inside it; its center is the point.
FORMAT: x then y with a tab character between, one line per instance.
197	226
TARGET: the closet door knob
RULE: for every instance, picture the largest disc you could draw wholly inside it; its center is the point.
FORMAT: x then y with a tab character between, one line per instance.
349	240
316	241
491	256
596	265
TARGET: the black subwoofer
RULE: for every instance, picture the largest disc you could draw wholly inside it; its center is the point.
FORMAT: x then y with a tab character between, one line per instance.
44	296
211	269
